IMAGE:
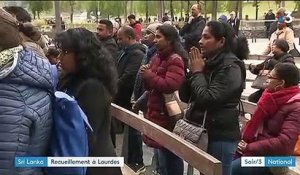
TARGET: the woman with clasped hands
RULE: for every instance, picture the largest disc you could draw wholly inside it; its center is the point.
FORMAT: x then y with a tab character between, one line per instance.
214	84
275	125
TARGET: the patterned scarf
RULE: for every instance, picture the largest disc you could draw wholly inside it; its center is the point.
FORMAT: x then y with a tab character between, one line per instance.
7	56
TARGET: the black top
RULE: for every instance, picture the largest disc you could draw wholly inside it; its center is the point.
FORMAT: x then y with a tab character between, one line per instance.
217	90
270	63
95	102
192	32
128	64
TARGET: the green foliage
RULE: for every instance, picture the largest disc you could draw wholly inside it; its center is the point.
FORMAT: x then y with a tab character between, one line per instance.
36	7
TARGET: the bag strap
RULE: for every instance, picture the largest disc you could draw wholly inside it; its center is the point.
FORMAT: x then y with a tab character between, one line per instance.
204	118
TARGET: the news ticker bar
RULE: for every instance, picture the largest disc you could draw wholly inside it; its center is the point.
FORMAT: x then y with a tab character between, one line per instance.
119	161
69	161
268	161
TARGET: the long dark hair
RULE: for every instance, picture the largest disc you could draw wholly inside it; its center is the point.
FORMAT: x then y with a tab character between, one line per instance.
237	45
171	35
92	59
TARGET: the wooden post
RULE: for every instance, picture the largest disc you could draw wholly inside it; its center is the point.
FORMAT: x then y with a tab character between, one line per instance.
57	16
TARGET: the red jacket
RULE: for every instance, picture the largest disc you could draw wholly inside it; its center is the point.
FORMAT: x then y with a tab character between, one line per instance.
166	75
138	30
280	132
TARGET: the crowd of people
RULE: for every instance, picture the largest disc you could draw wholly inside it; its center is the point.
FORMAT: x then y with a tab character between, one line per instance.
202	62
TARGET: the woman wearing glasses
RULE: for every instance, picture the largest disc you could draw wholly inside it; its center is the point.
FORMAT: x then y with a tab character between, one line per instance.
90	76
280	47
275	125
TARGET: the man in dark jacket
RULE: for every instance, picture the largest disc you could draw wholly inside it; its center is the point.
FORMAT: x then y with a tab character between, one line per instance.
269	16
104	34
128	64
191	32
234	22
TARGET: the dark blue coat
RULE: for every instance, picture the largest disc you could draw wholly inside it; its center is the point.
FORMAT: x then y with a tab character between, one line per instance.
25	110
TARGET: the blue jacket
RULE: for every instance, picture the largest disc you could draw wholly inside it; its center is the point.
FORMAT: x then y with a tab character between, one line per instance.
25	110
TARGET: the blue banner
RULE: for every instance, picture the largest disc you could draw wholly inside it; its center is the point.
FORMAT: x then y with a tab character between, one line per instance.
31	161
280	161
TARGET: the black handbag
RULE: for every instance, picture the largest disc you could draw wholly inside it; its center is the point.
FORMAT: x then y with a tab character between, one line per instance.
294	52
192	132
260	80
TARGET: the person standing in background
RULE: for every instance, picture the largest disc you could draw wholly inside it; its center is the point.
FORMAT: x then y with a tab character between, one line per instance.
191	31
234	22
137	26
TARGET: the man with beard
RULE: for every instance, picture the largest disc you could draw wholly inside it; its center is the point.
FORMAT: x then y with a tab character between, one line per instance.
104	34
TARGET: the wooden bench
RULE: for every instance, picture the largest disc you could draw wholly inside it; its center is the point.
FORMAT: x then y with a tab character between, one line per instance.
250	108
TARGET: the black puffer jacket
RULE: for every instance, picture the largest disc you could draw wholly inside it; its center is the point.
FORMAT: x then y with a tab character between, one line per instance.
217	90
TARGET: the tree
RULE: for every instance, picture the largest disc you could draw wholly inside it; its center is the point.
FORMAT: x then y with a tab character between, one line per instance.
278	3
256	5
36	7
172	10
214	10
70	7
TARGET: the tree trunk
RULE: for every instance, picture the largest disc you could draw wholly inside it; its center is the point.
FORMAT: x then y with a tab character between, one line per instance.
147	12
188	7
72	11
38	13
131	6
181	9
241	10
160	10
57	16
96	12
282	3
256	10
237	7
125	11
214	10
163	7
34	14
205	10
172	10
